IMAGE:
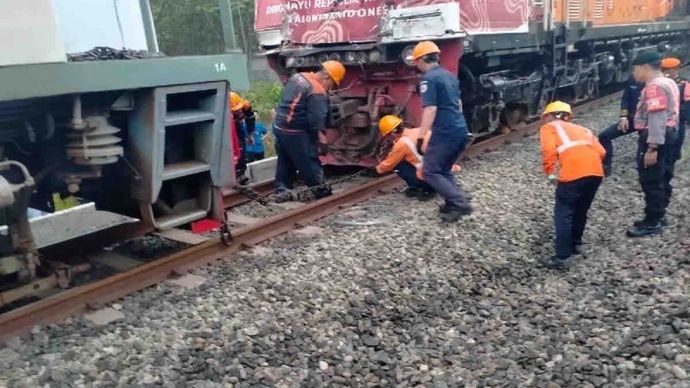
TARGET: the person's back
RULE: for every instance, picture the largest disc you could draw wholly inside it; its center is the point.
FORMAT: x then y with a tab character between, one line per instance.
576	149
303	104
441	89
572	159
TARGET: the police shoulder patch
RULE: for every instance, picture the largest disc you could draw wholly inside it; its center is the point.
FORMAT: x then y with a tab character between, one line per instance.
423	86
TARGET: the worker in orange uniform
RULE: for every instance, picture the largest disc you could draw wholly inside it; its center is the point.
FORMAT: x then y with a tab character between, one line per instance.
301	115
245	122
579	157
404	158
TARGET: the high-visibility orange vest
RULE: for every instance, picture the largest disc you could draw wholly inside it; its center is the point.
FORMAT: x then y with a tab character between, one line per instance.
405	148
574	149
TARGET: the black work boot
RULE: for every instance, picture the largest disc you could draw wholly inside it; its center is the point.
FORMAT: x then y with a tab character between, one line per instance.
645	229
282	196
426	195
557	263
322	192
663	221
453	213
412	192
243	180
576	249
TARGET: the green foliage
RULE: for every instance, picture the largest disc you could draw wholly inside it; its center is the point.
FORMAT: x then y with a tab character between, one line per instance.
264	96
188	27
193	27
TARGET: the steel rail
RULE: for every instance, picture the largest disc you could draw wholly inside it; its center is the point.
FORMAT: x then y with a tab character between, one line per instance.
97	294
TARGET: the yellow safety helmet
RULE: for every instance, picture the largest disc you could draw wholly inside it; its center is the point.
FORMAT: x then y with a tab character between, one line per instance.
237	102
424	48
334	69
558	107
388	123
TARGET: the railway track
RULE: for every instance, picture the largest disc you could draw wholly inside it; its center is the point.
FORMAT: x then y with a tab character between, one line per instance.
217	250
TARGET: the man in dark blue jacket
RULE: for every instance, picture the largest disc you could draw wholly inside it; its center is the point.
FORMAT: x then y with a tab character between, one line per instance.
631	95
300	115
442	115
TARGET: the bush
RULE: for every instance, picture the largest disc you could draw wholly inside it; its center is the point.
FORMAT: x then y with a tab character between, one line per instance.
264	96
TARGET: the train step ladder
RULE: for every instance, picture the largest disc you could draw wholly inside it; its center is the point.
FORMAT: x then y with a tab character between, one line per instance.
176	134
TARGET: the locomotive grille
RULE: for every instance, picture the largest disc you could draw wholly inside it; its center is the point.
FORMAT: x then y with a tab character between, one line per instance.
598	12
575	10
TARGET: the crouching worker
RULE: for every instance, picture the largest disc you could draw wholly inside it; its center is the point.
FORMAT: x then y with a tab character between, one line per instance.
403	157
579	157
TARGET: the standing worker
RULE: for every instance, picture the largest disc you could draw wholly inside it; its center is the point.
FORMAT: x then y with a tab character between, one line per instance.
442	115
579	156
670	68
656	120
300	115
245	122
404	158
624	126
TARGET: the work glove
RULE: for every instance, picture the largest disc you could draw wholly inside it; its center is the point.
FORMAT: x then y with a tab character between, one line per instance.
370	172
552	179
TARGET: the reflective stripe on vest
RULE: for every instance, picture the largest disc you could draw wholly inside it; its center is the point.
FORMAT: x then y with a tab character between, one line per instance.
566	143
413	147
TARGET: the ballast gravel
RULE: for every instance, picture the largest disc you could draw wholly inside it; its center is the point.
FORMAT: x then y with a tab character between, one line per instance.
386	295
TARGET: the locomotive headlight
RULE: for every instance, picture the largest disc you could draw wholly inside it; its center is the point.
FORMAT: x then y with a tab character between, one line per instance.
374	56
350	57
290	62
361	58
407	55
323	58
334	57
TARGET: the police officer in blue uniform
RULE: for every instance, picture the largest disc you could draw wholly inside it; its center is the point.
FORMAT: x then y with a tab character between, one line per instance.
656	120
624	126
442	114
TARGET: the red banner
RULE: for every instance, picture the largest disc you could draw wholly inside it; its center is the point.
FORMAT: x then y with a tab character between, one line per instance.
330	21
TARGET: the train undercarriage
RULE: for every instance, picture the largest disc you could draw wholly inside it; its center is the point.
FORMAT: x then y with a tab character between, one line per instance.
93	138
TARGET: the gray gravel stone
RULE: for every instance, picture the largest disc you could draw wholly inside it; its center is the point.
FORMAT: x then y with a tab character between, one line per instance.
411	301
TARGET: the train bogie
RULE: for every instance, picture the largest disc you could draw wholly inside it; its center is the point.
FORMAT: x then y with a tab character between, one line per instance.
93	141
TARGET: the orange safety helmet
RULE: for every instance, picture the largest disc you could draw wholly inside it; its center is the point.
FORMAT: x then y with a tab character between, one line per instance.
558	107
670	63
334	69
237	102
388	123
424	48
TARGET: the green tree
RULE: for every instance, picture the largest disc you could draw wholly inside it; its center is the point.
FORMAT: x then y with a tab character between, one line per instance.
193	27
